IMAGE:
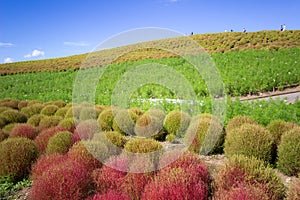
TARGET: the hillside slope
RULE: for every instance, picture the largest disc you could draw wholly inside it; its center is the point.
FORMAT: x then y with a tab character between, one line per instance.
219	42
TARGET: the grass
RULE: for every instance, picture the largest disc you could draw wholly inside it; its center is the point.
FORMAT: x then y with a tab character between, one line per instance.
218	42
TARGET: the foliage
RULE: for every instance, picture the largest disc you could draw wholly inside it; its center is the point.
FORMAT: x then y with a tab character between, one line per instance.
106	118
111	195
238	121
45	162
49	110
87	129
68	123
32	109
205	135
8	187
60	143
24	130
42	139
176	122
289	152
66	180
116	138
250	140
49	121
13	116
61	112
16	156
34	120
250	171
124	122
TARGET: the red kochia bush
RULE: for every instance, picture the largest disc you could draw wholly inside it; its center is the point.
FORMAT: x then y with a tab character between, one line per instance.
176	183
111	195
111	175
67	180
86	129
44	163
42	139
24	130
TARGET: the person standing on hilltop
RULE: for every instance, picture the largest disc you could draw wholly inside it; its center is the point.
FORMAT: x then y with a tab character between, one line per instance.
244	30
281	27
284	27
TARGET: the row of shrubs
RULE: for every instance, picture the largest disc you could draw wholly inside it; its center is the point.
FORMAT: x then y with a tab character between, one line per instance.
276	144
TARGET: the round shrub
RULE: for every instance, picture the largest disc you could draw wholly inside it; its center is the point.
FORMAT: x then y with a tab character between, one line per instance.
24	130
88	113
82	152
61	112
8	102
87	129
49	121
205	136
144	148
3	136
67	180
243	191
124	122
58	103
176	183
278	127
111	195
159	114
8	128
238	121
250	171
250	140
111	175
73	112
4	108
106	119
34	120
49	110
13	116
60	143
2	123
136	111
42	139
150	126
22	104
44	163
16	157
176	122
293	192
33	102
289	152
68	123
116	138
33	109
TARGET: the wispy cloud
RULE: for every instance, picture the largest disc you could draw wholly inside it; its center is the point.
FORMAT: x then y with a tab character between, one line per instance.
6	44
78	44
35	53
8	60
172	1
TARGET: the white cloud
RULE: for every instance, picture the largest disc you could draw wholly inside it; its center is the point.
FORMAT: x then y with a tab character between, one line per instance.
8	60
6	44
79	44
35	53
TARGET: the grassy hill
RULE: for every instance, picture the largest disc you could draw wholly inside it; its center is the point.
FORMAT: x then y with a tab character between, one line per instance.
212	43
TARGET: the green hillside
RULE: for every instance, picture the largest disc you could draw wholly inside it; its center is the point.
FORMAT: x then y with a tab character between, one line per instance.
212	43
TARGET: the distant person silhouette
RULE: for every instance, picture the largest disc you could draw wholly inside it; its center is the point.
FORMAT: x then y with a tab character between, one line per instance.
244	30
192	33
281	27
231	30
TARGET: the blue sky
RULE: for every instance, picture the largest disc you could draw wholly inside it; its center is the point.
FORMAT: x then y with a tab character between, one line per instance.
40	29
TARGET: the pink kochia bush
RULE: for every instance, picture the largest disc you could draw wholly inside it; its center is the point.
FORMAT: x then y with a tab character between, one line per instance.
111	175
185	178
67	180
111	195
24	130
44	163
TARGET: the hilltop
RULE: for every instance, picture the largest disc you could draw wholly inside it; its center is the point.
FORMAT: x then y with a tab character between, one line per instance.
212	43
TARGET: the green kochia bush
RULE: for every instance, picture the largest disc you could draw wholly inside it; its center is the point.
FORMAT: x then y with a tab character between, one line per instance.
150	126
250	172
278	127
106	118
250	140
13	116
35	120
239	121
293	192
33	109
176	122
49	121
49	110
289	152
16	157
124	122
205	135
60	143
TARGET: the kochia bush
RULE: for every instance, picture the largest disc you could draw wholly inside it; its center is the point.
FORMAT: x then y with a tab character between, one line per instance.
238	121
176	122
24	130
250	140
124	122
49	110
60	143
289	152
16	157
